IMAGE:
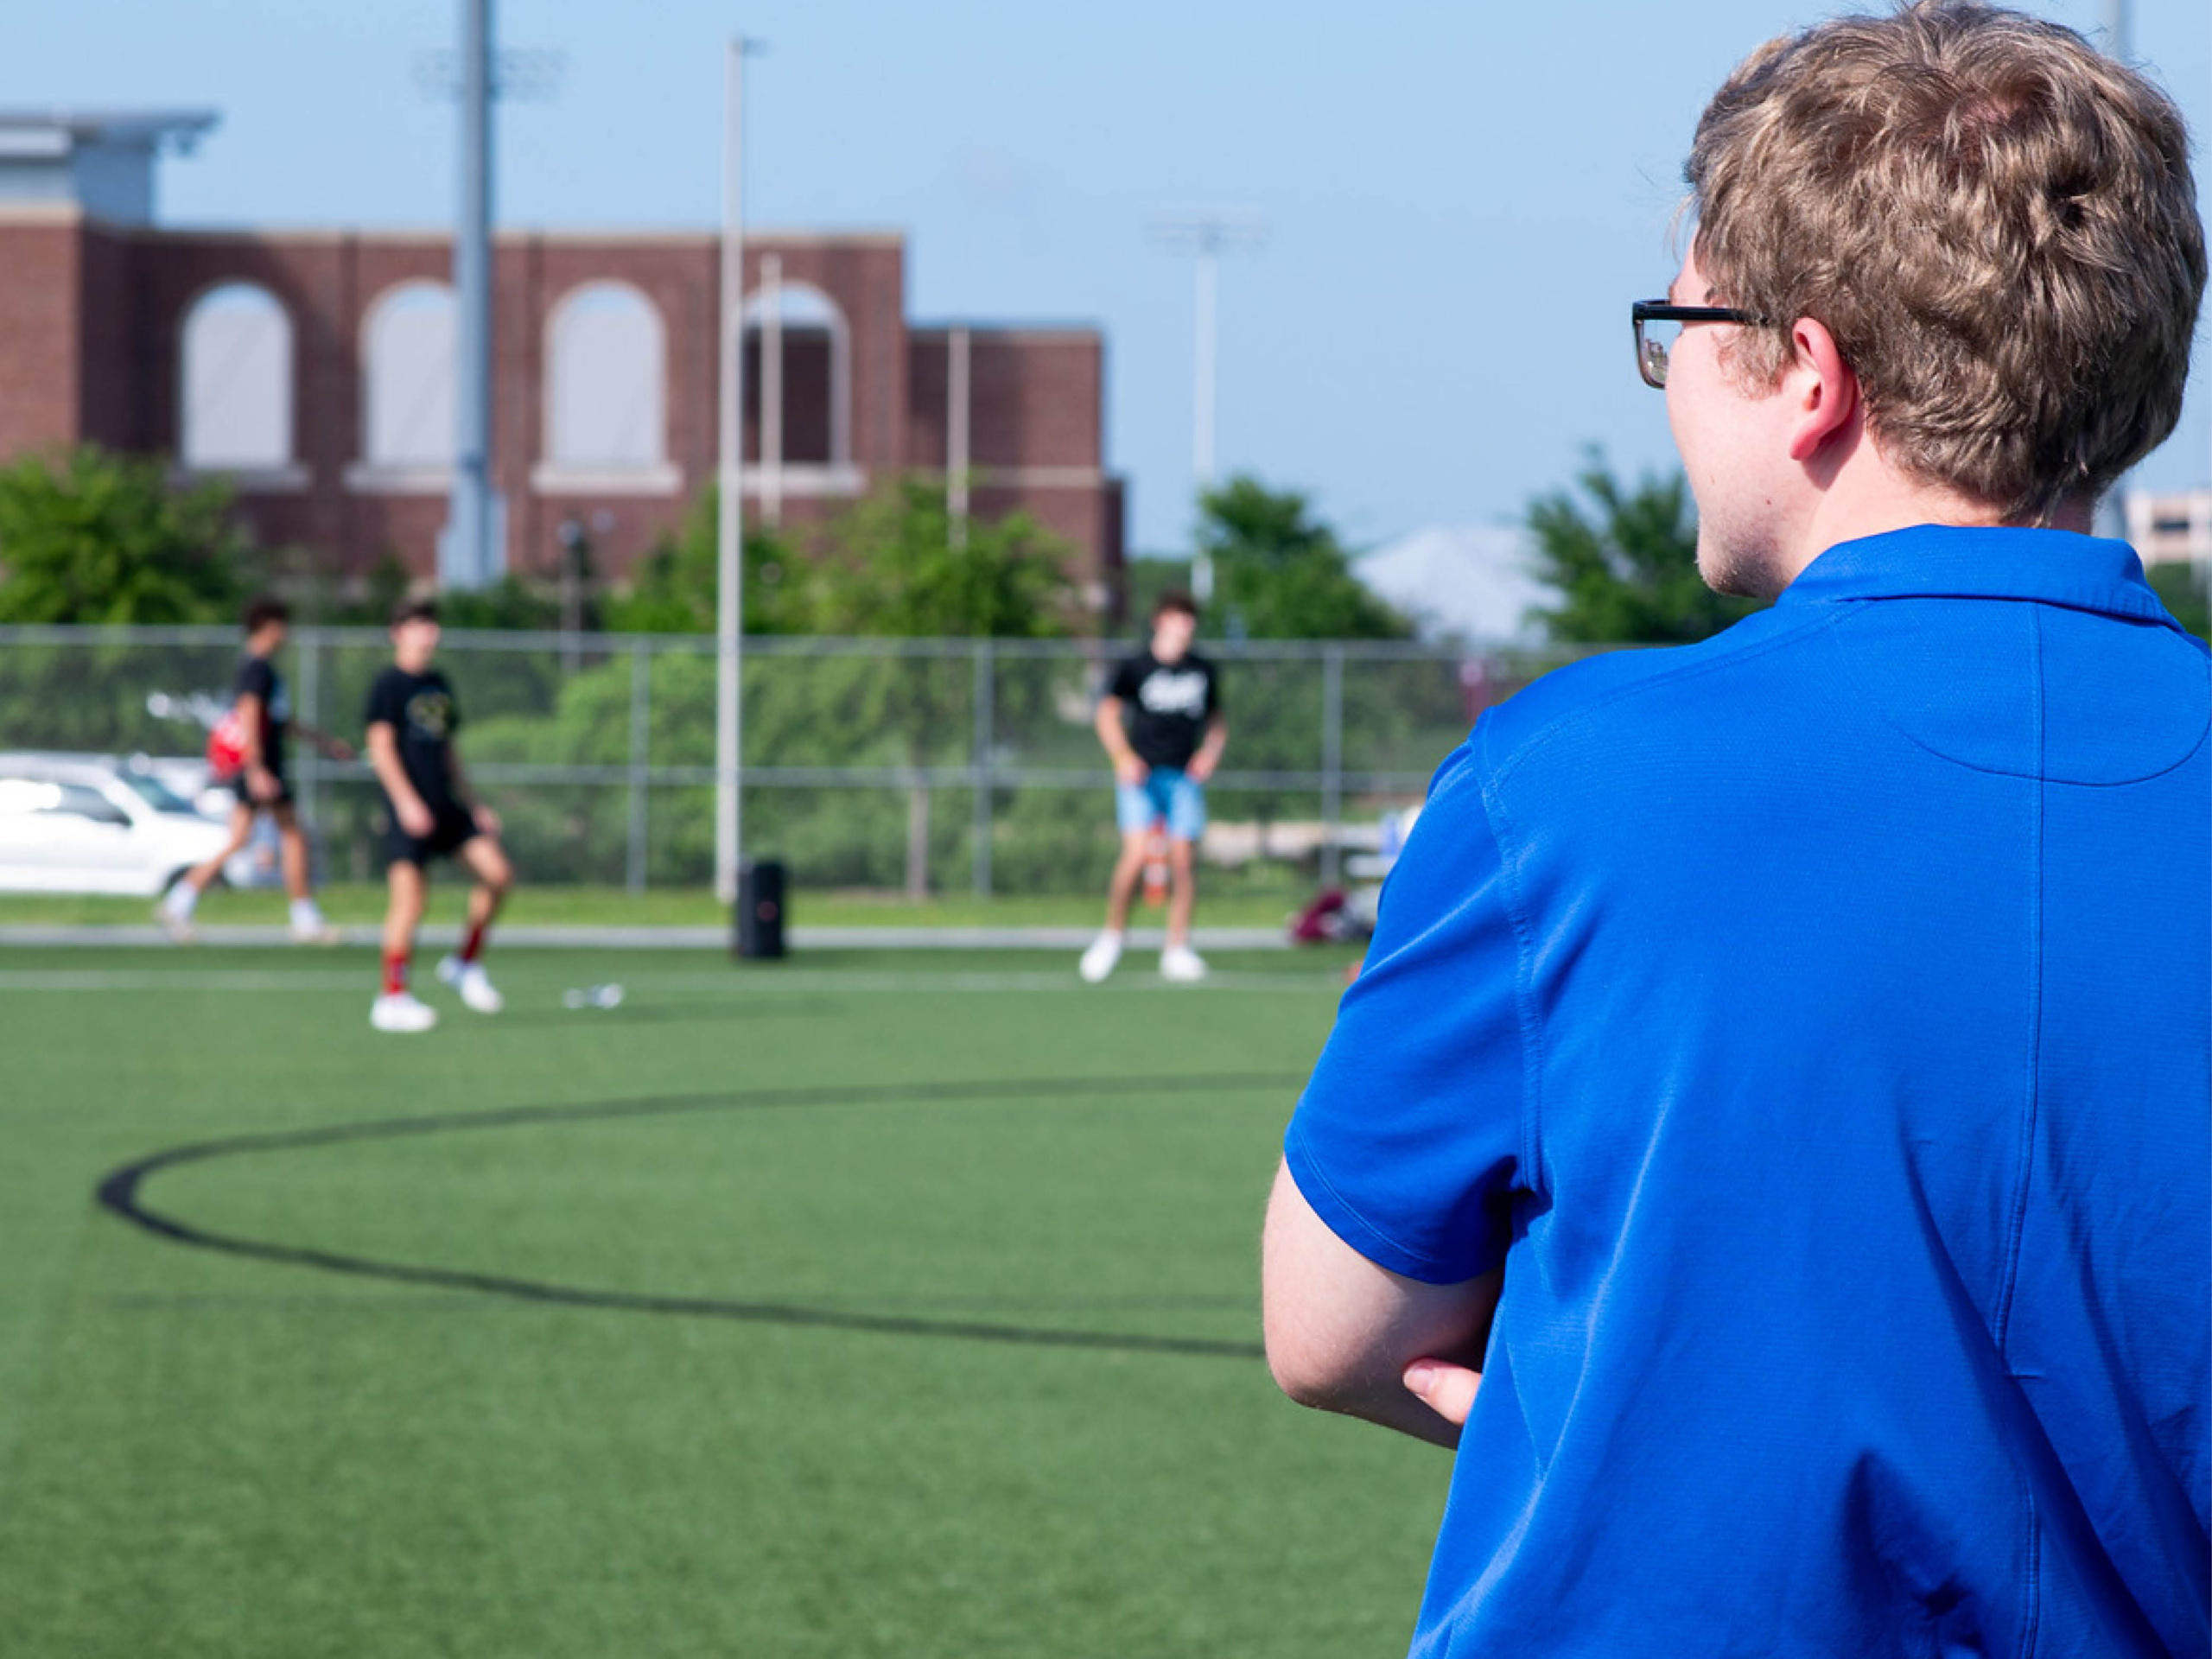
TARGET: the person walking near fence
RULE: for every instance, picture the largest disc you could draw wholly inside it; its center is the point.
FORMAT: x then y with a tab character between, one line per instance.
1161	723
259	721
1769	1138
411	719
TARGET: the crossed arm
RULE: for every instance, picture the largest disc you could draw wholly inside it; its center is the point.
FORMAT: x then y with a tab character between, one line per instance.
1344	1334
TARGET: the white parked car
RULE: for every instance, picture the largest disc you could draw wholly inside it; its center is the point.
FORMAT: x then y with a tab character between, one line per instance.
92	823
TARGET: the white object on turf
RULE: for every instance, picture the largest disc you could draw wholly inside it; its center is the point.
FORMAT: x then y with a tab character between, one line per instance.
400	1011
1182	964
177	923
310	925
593	996
473	984
1098	960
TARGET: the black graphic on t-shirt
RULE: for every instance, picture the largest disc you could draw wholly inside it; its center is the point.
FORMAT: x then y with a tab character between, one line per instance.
422	713
1166	706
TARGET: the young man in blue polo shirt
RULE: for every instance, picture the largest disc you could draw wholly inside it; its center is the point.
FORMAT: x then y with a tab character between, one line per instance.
1769	1138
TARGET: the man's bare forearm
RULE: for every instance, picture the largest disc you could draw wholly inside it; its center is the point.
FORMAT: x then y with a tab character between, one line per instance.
384	760
1209	754
1107	724
1341	1329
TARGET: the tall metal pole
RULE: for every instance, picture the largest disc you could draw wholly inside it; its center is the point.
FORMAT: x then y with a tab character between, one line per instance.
772	391
1207	234
467	544
1209	266
957	405
729	565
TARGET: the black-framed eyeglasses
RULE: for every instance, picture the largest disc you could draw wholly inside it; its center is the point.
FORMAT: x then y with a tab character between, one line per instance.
1658	325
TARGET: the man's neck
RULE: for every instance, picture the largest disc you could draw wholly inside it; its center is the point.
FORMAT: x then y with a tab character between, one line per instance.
1875	500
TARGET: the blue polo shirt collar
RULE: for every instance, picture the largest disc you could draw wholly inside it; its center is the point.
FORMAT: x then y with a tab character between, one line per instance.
2055	566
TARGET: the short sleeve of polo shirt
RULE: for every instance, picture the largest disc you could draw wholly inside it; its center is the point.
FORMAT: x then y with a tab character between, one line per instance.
1409	1142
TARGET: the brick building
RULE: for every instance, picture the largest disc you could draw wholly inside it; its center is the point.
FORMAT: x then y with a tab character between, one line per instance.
314	369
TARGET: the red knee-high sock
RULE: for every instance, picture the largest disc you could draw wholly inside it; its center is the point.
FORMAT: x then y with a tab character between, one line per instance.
472	944
395	974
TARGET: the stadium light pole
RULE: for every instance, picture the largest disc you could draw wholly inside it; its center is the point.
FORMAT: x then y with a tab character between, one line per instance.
473	539
468	562
1207	235
729	524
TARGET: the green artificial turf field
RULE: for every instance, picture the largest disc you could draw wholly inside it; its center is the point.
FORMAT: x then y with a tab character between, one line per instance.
853	1304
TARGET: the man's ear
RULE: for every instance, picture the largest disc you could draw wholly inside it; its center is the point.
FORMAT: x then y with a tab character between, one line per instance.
1824	392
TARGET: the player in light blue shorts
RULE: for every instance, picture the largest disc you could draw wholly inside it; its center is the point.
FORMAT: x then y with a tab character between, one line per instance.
1161	726
1168	796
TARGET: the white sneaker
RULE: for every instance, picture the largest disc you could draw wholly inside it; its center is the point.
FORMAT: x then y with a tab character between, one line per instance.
474	983
310	926
1098	960
1181	963
178	927
399	1011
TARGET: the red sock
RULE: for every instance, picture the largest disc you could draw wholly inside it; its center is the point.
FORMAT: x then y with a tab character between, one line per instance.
472	943
395	974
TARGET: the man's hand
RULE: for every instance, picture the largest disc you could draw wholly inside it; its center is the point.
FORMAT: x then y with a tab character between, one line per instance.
261	783
1345	1334
1127	769
487	820
414	818
1209	754
1447	1390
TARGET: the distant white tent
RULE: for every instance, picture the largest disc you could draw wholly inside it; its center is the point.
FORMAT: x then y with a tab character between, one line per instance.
1465	581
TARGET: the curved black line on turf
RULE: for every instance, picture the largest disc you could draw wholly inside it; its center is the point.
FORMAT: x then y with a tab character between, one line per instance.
119	1192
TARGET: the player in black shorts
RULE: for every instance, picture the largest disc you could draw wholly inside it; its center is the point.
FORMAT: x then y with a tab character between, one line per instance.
411	718
263	713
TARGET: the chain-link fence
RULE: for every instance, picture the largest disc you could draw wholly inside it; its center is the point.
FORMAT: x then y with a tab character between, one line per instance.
936	765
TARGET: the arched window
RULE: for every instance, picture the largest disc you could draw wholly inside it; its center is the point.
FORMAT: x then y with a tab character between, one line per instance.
795	338
606	379
237	408
407	370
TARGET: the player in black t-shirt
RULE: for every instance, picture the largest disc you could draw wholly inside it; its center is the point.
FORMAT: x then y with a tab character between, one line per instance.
263	713
1161	723
411	718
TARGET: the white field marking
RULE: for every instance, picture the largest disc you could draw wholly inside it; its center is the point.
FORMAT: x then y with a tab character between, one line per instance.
223	980
833	980
100	979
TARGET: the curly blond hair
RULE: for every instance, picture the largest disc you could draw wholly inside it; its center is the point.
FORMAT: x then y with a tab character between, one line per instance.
1996	224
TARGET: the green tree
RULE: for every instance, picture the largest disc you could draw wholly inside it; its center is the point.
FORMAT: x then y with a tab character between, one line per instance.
512	603
2183	594
898	565
892	567
1280	572
672	589
1624	562
102	539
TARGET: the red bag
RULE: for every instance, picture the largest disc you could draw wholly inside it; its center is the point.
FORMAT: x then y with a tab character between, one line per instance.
226	746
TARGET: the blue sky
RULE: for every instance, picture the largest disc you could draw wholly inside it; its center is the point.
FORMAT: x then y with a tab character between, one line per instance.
1462	198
